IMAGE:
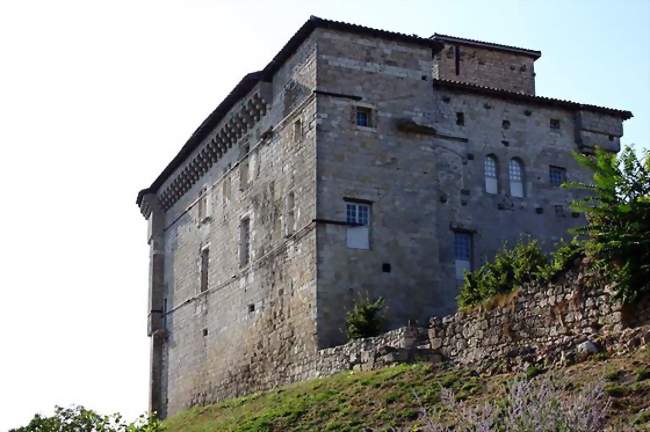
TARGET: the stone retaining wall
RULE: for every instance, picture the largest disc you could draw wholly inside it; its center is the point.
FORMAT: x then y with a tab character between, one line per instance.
542	325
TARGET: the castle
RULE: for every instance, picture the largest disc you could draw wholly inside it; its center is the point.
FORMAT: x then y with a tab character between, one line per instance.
358	161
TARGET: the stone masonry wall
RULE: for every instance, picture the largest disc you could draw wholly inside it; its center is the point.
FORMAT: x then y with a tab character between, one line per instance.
542	325
486	67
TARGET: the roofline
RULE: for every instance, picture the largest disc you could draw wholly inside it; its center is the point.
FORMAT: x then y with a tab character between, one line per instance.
241	89
535	54
540	100
250	80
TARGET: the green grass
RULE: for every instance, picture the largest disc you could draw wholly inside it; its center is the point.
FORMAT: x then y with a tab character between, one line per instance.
394	397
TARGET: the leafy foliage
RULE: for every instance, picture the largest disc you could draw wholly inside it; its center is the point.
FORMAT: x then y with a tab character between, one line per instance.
510	268
80	419
617	208
365	319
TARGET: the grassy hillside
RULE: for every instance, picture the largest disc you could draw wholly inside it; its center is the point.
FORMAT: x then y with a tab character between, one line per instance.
385	398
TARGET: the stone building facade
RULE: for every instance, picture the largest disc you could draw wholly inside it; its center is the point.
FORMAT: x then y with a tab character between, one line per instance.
358	161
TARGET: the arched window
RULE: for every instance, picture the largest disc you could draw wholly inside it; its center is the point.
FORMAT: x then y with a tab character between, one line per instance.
516	177
491	180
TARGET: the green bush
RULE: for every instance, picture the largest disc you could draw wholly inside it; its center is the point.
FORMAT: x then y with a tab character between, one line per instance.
80	419
365	319
617	235
510	268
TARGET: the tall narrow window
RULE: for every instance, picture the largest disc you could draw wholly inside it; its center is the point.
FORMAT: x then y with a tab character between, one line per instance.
297	130
462	253
204	205
205	264
491	180
358	219
516	177
243	174
290	219
556	175
244	241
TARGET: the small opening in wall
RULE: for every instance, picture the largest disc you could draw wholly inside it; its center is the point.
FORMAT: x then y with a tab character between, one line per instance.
251	308
385	267
424	77
446	99
528	113
460	118
470	156
205	332
505	143
611	137
575	214
505	124
554	124
539	210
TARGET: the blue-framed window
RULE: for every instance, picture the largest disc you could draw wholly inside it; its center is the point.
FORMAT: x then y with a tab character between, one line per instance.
556	175
462	253
363	117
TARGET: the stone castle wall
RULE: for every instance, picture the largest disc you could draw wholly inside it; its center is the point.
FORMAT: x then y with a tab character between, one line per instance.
273	320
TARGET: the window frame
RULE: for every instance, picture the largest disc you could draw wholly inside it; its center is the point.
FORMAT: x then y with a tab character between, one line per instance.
555	169
487	174
469	235
515	178
370	115
358	218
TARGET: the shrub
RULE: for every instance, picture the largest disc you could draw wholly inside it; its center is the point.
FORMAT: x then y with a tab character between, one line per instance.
80	419
510	268
561	258
617	208
536	405
365	319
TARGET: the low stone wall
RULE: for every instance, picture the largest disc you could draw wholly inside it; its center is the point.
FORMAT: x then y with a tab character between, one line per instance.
543	325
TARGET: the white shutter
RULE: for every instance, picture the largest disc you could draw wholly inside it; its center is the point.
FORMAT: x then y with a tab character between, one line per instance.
462	266
357	237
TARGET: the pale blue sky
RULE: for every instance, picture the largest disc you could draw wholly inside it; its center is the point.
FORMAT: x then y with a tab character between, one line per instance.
97	96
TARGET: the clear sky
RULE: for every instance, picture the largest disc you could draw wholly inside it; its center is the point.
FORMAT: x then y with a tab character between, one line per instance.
97	96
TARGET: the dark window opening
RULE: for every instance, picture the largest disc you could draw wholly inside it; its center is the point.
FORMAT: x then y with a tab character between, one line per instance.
205	332
554	124
244	241
364	117
385	267
251	307
460	118
556	175
205	264
506	124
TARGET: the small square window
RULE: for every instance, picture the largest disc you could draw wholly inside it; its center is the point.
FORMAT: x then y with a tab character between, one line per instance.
554	124
557	175
205	332
505	124
385	267
251	307
460	119
364	117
